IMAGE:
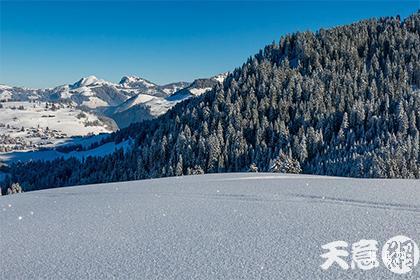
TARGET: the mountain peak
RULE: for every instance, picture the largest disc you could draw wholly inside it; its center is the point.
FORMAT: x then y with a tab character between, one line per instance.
220	77
88	81
134	81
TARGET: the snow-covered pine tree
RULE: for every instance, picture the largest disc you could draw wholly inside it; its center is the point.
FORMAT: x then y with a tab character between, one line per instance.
285	164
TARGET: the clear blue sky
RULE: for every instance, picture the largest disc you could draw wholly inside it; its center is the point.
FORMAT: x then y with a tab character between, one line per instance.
45	44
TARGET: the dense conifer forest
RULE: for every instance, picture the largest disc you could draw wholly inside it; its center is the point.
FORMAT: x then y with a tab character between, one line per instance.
343	102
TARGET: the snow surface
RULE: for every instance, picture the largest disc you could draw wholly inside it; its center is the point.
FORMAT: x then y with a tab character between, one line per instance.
85	141
5	87
134	81
156	105
172	88
5	95
221	226
65	120
48	155
89	80
199	91
94	102
221	77
135	100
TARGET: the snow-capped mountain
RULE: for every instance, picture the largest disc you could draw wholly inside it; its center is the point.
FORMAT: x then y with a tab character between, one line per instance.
141	85
8	93
198	87
136	82
89	92
147	106
173	87
138	108
89	81
93	93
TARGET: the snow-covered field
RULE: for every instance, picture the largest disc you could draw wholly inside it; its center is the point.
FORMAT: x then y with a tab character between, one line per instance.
222	226
100	151
31	125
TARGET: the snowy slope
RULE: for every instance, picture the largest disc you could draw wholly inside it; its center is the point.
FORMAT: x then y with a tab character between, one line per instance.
93	93
158	102
144	86
51	154
139	85
147	106
173	87
31	125
145	99
64	118
198	87
222	226
138	108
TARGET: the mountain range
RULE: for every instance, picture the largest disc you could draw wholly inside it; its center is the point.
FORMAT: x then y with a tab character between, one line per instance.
92	93
88	106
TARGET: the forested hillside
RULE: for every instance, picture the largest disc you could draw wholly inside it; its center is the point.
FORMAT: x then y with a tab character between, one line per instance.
343	101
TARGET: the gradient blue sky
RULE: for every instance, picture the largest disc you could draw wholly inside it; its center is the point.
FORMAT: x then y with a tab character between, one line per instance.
44	44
